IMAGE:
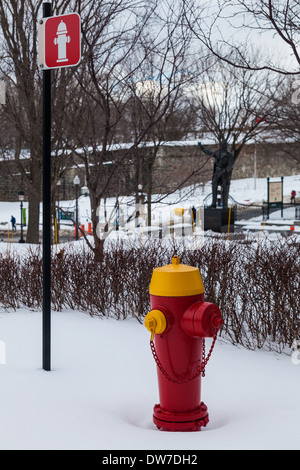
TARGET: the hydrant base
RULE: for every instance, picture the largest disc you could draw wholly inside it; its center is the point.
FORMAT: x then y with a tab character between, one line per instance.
190	421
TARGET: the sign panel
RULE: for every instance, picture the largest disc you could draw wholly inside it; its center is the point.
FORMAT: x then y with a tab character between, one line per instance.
66	215
275	192
60	41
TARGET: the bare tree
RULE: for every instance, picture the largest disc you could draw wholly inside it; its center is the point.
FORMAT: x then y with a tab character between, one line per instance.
23	109
134	70
235	105
19	70
110	32
157	89
238	31
286	117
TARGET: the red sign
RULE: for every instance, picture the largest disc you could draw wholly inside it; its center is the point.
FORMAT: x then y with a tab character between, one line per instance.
62	41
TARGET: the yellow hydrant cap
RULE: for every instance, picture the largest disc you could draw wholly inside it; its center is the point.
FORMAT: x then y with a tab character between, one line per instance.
176	280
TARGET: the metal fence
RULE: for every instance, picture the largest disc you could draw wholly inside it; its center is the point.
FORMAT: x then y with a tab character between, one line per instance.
289	211
260	211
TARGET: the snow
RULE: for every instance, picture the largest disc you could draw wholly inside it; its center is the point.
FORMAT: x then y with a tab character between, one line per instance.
244	191
102	388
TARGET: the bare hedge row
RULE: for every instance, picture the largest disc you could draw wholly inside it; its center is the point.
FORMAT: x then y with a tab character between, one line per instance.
256	286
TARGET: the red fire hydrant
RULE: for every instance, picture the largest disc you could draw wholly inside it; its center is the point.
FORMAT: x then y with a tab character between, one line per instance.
179	321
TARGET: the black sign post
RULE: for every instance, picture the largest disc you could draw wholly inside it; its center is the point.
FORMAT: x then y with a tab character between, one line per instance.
51	55
47	12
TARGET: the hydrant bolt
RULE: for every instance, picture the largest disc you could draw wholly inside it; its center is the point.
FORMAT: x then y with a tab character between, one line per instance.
216	322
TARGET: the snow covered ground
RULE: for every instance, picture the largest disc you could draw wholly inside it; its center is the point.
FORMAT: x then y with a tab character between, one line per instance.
102	389
244	191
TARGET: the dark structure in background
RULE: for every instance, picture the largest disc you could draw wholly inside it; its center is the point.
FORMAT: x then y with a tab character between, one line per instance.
223	164
174	163
218	217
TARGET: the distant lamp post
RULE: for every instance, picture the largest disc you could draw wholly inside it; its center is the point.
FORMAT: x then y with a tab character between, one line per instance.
139	205
58	209
21	199
76	182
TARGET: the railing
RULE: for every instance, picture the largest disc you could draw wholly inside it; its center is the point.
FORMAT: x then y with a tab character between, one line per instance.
250	211
243	211
289	211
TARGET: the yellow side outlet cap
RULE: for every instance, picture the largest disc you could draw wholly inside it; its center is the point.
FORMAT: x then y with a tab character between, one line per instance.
176	280
155	322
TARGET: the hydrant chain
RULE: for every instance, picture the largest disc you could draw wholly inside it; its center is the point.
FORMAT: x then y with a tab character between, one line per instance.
160	366
205	360
183	378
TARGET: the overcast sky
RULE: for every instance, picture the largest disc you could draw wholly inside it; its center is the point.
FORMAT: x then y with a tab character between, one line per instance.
229	26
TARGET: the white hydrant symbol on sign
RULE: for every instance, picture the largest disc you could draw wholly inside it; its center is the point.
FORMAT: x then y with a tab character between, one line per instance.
61	41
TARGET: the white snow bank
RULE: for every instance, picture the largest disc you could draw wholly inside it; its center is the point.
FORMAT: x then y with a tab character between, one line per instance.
102	389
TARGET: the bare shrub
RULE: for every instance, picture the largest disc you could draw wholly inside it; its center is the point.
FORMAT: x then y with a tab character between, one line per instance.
30	269
9	281
255	286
